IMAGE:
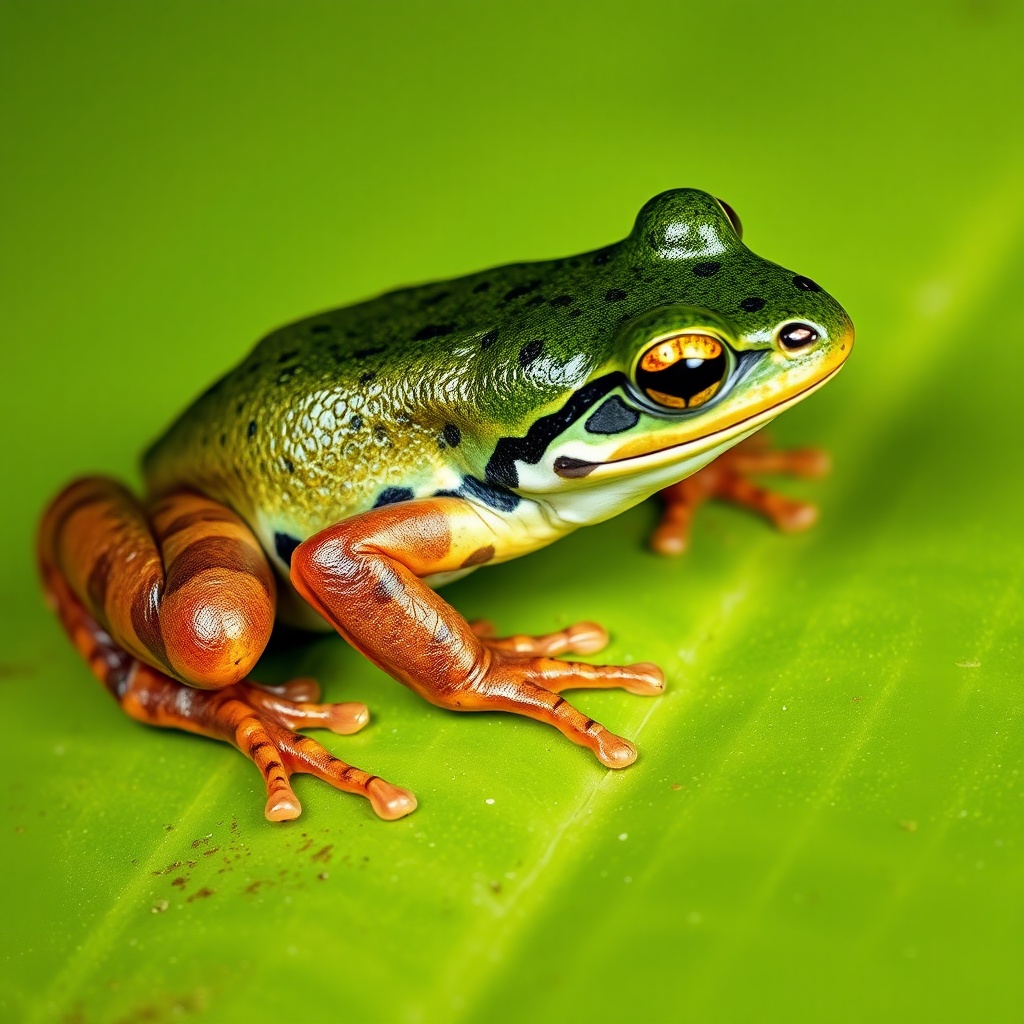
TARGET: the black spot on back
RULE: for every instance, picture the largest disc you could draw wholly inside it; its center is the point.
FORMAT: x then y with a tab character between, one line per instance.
363	353
612	418
708	269
289	465
365	378
392	495
320	329
285	545
752	305
488	339
252	428
520	291
482	286
435	299
285	357
530	351
601	258
614	295
806	284
452	435
562	300
433	331
356	423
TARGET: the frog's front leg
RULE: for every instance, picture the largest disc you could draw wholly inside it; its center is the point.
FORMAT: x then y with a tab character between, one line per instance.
171	608
365	576
727	478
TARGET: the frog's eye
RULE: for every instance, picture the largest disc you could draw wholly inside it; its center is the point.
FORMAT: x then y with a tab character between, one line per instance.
683	372
734	217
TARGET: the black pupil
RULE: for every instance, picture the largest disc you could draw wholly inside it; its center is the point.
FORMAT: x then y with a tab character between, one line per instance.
684	379
798	336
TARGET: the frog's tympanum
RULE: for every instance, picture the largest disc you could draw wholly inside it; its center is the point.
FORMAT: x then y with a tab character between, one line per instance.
360	458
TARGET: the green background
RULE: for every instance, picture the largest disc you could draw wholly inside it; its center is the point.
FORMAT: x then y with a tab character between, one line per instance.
825	822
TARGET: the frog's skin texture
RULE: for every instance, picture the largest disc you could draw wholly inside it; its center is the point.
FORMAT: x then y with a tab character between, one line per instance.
358	459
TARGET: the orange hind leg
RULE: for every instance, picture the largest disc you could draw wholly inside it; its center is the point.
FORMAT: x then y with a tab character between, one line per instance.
172	610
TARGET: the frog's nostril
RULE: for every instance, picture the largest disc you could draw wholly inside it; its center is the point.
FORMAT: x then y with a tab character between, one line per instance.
797	336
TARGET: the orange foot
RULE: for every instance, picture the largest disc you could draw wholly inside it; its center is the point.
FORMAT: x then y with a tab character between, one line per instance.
523	676
261	721
726	478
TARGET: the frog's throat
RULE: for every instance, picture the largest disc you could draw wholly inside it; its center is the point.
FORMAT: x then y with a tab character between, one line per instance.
593	472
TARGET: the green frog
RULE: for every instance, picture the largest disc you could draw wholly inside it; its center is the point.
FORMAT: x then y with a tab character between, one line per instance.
359	459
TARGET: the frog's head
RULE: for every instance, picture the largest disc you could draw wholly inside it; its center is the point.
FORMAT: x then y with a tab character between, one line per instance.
723	343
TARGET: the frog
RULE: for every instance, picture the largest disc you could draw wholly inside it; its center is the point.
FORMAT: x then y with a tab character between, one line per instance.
361	458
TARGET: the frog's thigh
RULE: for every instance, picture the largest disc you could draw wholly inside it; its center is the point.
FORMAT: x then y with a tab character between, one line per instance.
365	576
185	589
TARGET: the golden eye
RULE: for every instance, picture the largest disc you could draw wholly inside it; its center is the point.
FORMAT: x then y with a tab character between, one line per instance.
683	372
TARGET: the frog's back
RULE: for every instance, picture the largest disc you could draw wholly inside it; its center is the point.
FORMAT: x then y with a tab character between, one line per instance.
384	400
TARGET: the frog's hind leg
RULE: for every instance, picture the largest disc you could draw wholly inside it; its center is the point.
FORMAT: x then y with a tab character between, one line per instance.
727	478
171	610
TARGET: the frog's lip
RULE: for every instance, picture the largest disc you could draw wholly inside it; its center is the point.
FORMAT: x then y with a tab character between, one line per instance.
576	468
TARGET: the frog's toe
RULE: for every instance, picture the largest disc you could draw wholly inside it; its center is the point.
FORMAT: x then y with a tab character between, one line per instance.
793	516
344	719
645	679
304	754
282	805
301	690
614	751
390	802
579	638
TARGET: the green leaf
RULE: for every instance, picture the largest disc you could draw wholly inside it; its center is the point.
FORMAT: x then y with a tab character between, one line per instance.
825	819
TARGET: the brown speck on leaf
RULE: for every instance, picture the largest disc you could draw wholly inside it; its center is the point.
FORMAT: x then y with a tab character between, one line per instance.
160	906
207	853
677	785
170	867
18	828
324	854
180	882
908	825
496	886
200	842
323	876
305	846
168	828
201	894
856	700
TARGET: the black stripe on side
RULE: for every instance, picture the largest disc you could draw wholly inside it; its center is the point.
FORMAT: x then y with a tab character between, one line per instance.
501	467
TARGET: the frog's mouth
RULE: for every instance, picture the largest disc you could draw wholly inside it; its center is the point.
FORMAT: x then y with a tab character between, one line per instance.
573	469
